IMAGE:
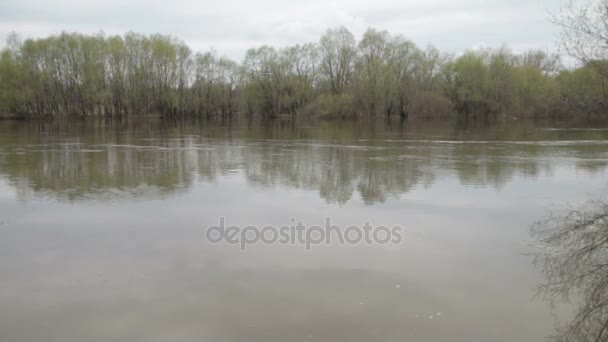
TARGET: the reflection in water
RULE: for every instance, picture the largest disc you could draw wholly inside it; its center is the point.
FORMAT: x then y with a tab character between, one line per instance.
574	261
109	160
75	262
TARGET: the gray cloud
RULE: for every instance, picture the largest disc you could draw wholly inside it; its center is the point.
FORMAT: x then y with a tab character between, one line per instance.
232	26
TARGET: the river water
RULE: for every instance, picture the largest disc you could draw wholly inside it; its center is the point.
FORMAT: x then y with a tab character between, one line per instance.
103	228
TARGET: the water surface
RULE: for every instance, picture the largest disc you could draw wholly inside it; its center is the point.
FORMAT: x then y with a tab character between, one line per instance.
102	229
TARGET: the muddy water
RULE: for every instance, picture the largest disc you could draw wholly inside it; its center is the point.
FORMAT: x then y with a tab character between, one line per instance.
102	233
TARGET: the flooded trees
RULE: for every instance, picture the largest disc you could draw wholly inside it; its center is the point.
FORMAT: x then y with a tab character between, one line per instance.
402	63
15	93
78	75
372	70
467	83
489	84
264	74
74	75
338	51
302	73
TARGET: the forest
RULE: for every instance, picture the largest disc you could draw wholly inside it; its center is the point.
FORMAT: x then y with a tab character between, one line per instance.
381	75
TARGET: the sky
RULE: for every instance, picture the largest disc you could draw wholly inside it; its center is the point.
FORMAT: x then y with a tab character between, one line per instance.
232	26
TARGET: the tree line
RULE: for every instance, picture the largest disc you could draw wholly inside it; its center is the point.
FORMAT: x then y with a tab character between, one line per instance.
72	75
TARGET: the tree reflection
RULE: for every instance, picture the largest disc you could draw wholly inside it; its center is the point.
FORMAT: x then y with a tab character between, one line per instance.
574	261
341	160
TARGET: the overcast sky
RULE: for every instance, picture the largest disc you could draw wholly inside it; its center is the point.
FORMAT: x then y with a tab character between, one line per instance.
233	26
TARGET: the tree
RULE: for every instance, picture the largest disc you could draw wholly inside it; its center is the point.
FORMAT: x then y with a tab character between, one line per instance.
301	63
585	37
338	51
72	74
372	69
467	85
402	64
585	31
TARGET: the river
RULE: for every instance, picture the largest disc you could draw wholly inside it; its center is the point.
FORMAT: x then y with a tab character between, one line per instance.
103	228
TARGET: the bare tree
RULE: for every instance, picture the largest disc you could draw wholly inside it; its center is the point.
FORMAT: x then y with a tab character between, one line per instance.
584	33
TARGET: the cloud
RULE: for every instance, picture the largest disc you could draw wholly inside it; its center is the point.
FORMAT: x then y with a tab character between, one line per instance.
233	26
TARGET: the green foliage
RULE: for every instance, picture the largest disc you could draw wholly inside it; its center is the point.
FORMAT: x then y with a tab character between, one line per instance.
78	75
333	106
584	90
490	84
338	52
468	82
